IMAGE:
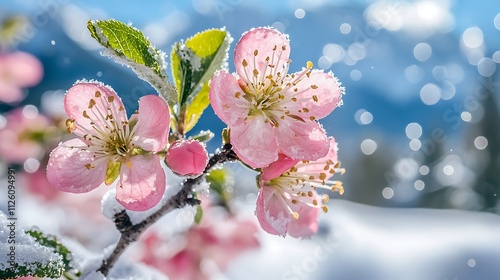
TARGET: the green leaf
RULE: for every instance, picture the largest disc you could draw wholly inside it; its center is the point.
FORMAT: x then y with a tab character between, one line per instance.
199	214
203	136
195	109
128	46
25	255
193	64
221	182
57	247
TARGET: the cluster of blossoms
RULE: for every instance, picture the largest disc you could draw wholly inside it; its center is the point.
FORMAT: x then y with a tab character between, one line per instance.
272	116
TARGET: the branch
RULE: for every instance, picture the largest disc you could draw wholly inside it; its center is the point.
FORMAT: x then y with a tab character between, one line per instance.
130	232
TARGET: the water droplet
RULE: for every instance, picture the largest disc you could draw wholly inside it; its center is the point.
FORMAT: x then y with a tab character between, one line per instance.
300	13
368	146
413	131
481	142
345	28
473	37
387	193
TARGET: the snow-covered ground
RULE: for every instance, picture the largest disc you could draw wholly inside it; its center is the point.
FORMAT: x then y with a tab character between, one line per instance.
370	243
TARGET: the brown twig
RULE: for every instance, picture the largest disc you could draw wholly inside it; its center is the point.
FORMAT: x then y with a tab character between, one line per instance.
130	232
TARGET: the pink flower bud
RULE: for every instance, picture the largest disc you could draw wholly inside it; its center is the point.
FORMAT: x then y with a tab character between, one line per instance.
187	158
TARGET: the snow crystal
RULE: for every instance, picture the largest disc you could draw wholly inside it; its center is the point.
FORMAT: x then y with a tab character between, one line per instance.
122	270
280	223
161	84
110	206
28	253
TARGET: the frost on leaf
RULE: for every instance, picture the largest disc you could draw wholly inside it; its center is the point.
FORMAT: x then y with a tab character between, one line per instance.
31	257
128	46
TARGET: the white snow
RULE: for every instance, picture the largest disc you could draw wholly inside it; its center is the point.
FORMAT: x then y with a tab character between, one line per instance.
365	242
28	253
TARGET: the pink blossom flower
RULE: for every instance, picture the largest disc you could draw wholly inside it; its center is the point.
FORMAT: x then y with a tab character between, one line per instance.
110	147
268	110
23	136
219	239
288	201
18	70
187	158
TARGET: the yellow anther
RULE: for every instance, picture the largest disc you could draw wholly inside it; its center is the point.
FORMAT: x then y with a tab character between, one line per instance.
325	208
315	202
325	198
315	98
294	201
295	215
312	118
244	63
237	94
309	65
255	73
97	94
111	99
85	115
314	86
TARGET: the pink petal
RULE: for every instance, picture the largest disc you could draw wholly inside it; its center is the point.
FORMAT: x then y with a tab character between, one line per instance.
10	93
67	171
263	40
318	166
273	218
303	141
254	142
187	158
22	68
142	186
78	99
223	91
307	223
275	169
153	124
320	93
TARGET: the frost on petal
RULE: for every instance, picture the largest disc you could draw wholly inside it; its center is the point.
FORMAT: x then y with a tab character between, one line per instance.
93	104
73	170
319	165
254	142
307	223
141	187
302	140
153	124
277	168
254	49
273	218
187	158
320	94
226	98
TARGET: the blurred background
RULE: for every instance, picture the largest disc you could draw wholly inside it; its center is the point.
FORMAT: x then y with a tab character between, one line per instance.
419	123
